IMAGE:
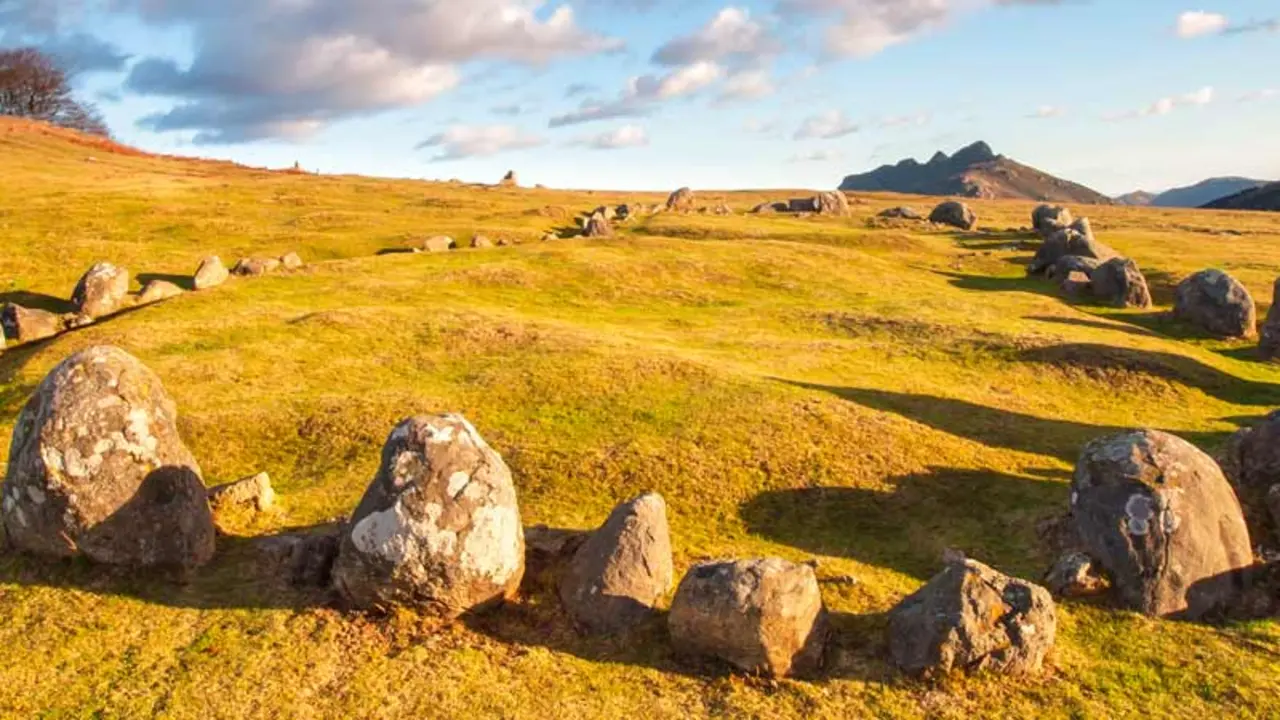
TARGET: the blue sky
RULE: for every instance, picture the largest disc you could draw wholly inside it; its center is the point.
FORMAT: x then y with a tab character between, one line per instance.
650	94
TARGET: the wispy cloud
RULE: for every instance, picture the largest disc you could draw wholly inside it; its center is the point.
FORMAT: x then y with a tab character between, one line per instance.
642	92
467	141
1198	23
816	156
1166	105
1258	95
627	136
826	126
1045	112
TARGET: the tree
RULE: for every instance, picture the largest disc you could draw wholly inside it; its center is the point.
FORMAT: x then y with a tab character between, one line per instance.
33	85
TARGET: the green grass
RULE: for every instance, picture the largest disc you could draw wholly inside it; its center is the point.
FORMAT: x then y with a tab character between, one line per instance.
864	395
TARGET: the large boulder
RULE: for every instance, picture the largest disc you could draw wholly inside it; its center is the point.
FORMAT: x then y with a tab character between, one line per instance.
762	616
438	529
618	576
832	203
97	468
1216	303
1070	264
1066	243
1269	345
970	617
956	214
211	273
598	226
681	200
1049	219
101	291
23	325
1158	516
1251	462
1119	282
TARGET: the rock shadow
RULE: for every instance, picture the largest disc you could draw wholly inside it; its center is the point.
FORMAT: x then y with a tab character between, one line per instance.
37	301
186	282
1094	324
988	283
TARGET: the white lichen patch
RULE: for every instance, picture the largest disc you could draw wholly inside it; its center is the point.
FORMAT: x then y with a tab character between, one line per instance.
1139	511
439	436
492	547
457	483
397	537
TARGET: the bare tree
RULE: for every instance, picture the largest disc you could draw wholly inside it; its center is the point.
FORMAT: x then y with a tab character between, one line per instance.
33	85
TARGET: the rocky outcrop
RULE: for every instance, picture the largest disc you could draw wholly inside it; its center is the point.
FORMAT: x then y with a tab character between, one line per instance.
1216	303
96	468
510	180
956	214
598	226
101	291
1075	241
832	203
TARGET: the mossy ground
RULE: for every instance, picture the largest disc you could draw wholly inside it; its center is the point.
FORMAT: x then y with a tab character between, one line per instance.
860	394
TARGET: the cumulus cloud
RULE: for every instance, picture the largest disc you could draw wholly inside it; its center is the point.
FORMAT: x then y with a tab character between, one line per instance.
1197	23
642	93
731	35
826	126
50	25
467	141
627	136
1166	105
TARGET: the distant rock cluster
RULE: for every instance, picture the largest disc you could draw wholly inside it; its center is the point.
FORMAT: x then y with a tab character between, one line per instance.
1082	266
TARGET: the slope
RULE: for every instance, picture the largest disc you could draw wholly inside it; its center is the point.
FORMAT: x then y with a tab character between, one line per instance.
1204	192
1265	197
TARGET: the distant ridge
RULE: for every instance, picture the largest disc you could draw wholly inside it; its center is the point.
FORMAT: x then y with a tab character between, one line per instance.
1139	198
975	171
1265	197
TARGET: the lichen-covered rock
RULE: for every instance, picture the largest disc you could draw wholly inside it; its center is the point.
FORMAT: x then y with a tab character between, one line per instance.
598	226
96	467
681	200
439	243
956	214
291	261
1119	282
1065	243
1160	519
762	616
1216	303
438	529
623	570
1049	219
158	290
254	491
1269	345
23	325
901	213
255	267
1069	264
1251	462
970	617
101	291
1075	575
211	273
832	203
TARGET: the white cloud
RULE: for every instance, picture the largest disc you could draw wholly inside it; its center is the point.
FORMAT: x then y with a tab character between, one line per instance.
627	136
754	125
826	126
916	120
748	85
1166	105
732	34
466	141
1197	23
816	156
643	92
1258	95
1044	112
866	27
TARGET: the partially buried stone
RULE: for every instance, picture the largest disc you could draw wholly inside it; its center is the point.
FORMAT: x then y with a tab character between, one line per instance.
23	325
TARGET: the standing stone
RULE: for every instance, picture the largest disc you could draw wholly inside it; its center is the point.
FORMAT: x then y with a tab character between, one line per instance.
439	243
618	576
24	325
510	180
101	291
1251	462
158	290
832	203
681	200
1216	303
956	214
1159	517
96	467
438	529
1269	346
762	616
255	267
971	618
291	261
1119	282
1049	219
211	273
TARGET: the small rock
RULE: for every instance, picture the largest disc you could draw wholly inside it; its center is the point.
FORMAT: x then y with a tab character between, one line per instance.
292	261
101	291
956	214
24	325
598	226
901	213
1075	575
255	491
480	241
510	180
1216	303
211	273
255	267
1069	264
439	243
158	290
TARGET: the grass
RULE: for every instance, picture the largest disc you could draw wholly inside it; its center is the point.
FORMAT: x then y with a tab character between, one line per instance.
862	394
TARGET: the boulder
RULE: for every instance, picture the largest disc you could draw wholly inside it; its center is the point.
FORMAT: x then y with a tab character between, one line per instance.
1269	345
832	203
101	291
598	226
1076	286
158	290
1083	227
1069	264
255	267
438	529
1119	282
480	241
211	273
802	205
254	491
770	208
623	212
509	180
439	243
681	200
96	468
956	214
1157	515
1049	219
550	237
1251	462
762	616
1065	243
607	212
970	617
291	261
1216	303
621	572
901	213
24	325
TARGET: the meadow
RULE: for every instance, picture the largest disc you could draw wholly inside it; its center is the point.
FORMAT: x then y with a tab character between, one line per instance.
862	393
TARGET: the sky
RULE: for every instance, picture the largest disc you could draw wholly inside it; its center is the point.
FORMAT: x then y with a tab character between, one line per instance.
652	94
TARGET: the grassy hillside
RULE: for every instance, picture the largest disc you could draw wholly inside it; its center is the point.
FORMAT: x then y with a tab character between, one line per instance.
862	395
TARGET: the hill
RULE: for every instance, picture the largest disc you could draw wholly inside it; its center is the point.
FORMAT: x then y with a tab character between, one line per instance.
857	394
1265	197
977	172
1139	198
1204	192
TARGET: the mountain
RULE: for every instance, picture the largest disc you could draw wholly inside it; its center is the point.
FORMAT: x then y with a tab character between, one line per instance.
1265	197
1139	198
1204	192
975	171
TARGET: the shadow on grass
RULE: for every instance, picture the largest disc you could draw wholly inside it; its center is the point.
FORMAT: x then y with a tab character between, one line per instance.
1095	324
988	283
186	282
37	301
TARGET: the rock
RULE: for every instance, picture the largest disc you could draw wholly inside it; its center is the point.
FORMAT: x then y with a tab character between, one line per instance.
255	492
438	529
770	208
1069	264
970	617
1160	519
955	214
720	209
255	267
1076	286
901	213
1049	219
598	226
480	241
623	212
1216	303
681	200
1272	502
618	576
439	243
550	237
802	205
762	616
1251	462
292	261
97	468
509	180
605	211
1119	282
504	242
158	290
1269	345
1083	227
832	203
1065	243
24	325
101	291
1075	575
211	273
